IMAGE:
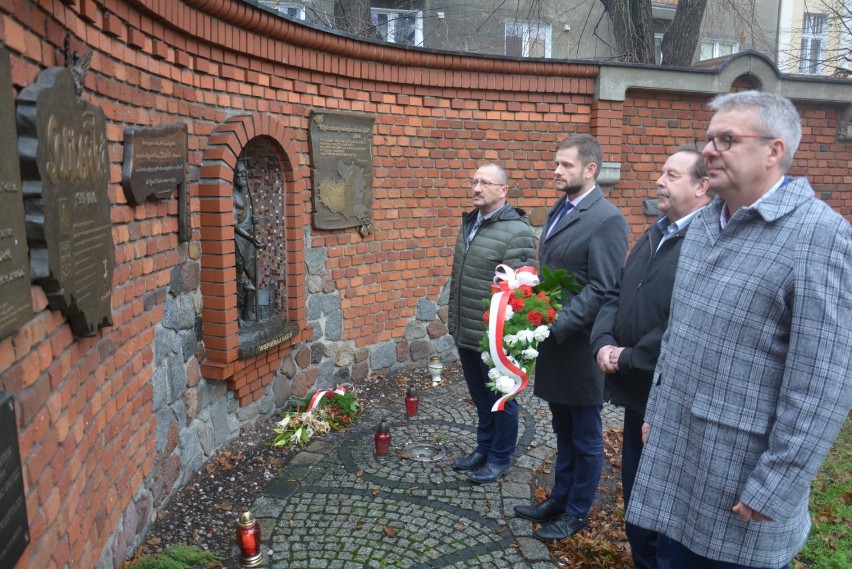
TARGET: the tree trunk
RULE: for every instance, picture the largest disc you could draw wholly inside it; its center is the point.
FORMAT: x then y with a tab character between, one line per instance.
680	40
353	16
633	29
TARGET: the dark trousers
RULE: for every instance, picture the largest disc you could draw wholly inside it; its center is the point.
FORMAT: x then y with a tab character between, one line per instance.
682	558
649	549
496	432
579	456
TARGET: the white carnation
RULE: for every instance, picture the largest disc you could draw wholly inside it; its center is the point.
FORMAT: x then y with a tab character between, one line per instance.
505	384
486	359
493	374
510	340
509	312
541	333
526	336
530	353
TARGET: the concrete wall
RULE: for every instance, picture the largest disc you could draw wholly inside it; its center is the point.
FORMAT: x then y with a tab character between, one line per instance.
110	426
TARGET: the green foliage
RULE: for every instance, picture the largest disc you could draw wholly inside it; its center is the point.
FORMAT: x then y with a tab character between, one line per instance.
556	283
346	403
829	544
179	557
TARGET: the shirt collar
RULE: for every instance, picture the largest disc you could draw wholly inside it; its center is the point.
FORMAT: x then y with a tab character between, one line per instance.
723	215
667	226
576	201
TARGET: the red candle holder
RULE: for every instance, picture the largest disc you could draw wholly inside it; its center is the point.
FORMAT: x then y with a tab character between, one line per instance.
411	401
382	438
248	540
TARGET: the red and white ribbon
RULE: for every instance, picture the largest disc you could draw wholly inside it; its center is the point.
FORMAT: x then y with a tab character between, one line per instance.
507	280
317	397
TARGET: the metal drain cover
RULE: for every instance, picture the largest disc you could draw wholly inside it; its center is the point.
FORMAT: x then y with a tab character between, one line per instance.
424	452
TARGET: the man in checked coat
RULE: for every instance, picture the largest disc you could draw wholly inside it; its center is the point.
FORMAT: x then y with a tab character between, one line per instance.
587	236
753	381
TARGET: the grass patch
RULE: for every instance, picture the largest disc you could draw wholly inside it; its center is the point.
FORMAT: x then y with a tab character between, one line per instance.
179	557
829	544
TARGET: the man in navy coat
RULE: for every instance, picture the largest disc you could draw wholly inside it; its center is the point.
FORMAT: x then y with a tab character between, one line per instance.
587	236
629	328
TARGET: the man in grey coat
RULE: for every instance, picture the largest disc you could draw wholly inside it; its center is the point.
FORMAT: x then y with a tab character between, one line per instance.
753	381
491	234
587	236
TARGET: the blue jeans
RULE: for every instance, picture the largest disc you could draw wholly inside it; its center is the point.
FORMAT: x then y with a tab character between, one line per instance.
649	549
682	558
496	432
579	456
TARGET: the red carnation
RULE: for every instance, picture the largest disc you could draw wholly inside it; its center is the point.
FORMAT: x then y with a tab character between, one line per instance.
542	295
517	304
534	317
551	314
527	290
485	316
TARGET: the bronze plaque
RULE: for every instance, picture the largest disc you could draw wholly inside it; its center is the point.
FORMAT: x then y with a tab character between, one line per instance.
15	305
65	171
342	158
154	162
14	527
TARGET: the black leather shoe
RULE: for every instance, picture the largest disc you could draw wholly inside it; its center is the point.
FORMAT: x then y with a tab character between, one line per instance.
564	526
471	462
544	512
489	472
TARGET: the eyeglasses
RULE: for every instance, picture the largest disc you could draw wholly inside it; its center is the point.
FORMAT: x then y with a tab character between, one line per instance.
474	183
723	142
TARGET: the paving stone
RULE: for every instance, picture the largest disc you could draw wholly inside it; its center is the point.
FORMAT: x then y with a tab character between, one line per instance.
337	505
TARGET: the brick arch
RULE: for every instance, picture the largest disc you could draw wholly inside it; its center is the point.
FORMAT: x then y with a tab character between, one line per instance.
220	321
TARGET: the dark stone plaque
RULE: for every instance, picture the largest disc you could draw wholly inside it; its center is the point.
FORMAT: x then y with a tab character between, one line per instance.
257	337
154	162
65	171
342	158
15	305
14	527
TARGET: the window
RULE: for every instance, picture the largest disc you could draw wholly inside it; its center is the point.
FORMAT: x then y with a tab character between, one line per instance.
846	30
658	48
291	10
527	40
717	48
813	43
403	27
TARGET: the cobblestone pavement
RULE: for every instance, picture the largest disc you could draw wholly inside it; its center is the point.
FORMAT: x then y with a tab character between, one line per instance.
336	505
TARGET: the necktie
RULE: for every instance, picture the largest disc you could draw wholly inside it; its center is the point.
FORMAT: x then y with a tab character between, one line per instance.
566	207
473	229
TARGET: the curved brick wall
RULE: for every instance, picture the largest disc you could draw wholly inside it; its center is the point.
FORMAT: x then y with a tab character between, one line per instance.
110	426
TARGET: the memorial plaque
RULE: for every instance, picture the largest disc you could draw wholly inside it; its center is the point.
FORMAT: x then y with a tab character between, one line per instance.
14	527
65	171
15	305
154	162
342	158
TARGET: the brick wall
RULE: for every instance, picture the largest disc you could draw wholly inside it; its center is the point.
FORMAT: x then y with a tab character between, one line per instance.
109	426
